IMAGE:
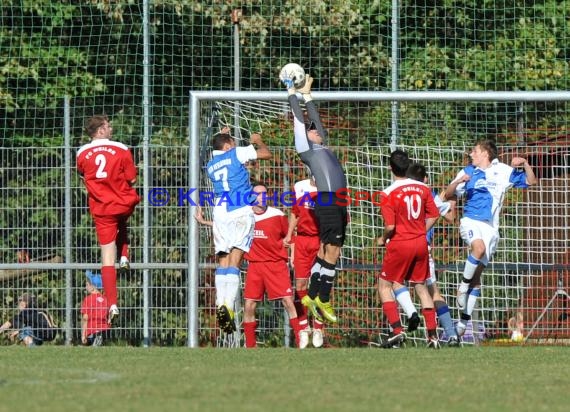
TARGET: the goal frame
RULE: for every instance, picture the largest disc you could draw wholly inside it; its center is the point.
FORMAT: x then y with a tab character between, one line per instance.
197	98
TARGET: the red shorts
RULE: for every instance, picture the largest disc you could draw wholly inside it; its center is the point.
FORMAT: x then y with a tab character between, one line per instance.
107	227
406	260
270	277
306	249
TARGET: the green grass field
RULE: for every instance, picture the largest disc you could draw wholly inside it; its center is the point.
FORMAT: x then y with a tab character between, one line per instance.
178	379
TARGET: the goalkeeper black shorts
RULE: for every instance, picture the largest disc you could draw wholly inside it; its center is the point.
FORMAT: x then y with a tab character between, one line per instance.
332	216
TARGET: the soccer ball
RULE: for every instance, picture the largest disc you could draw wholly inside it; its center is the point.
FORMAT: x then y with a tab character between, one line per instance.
293	71
517	336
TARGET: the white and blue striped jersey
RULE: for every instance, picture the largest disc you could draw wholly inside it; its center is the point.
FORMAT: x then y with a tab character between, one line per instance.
230	178
485	190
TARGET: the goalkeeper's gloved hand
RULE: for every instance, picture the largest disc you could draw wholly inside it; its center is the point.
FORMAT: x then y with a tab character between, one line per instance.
290	85
306	89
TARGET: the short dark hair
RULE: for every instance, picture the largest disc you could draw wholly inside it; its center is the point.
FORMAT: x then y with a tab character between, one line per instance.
417	172
29	299
94	123
490	147
220	140
257	183
399	162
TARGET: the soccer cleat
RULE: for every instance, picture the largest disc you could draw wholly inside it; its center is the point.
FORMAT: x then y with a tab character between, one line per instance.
394	341
460	329
454	342
124	267
97	340
317	338
461	299
304	338
413	322
232	323
225	318
326	309
310	304
113	314
433	343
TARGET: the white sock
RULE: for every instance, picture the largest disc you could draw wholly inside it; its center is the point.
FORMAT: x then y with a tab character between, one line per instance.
232	287
220	282
460	328
470	267
405	300
463	287
472	301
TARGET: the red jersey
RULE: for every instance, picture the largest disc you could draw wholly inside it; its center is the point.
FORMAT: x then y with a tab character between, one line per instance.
96	308
304	208
268	234
107	168
407	204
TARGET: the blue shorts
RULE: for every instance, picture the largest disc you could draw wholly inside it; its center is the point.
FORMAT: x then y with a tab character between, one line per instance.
29	332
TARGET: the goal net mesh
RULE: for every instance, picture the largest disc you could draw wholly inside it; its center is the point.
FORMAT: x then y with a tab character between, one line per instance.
530	257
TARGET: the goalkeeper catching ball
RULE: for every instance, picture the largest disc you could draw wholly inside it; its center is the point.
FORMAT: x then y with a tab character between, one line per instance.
330	210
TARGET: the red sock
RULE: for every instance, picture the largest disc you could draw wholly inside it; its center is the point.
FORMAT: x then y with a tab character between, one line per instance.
249	331
109	278
123	241
430	321
294	322
299	307
317	324
391	312
303	323
124	250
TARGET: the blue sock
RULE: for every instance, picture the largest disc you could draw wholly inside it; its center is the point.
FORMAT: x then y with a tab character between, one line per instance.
445	320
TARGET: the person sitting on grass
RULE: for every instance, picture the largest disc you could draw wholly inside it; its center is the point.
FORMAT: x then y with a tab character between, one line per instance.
31	326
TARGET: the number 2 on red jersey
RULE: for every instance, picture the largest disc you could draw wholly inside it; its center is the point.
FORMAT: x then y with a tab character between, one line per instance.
101	162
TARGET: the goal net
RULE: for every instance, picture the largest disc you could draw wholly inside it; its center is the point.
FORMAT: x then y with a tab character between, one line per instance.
529	267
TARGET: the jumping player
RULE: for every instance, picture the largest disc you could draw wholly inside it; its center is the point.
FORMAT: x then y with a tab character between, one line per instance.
483	183
109	173
233	219
330	210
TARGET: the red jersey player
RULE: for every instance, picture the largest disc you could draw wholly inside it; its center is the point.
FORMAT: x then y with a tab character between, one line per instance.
409	211
304	249
109	173
94	310
267	270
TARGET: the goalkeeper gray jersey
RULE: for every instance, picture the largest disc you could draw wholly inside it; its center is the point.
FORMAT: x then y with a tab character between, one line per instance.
324	165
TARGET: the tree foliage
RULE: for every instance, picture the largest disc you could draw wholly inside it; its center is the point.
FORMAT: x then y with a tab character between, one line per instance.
92	51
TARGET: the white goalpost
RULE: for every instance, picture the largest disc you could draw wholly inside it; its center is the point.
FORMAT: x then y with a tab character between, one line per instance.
436	129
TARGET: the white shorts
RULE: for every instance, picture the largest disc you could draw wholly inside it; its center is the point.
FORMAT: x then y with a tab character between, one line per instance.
232	229
471	230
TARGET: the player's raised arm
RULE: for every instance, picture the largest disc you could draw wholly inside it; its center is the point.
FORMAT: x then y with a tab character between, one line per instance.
302	143
531	178
262	150
450	191
312	112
